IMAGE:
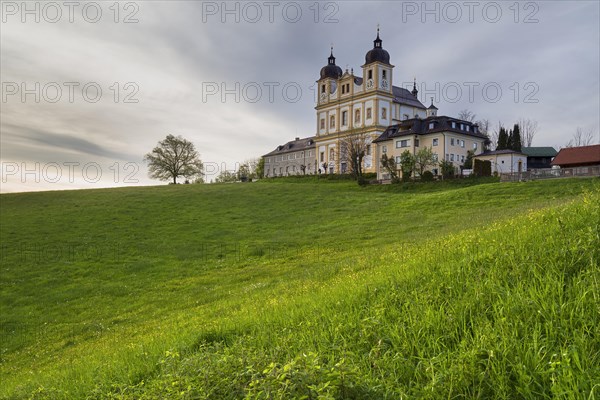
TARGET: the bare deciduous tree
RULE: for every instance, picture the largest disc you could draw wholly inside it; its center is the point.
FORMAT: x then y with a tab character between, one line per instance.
484	126
582	138
174	157
529	129
467	115
353	149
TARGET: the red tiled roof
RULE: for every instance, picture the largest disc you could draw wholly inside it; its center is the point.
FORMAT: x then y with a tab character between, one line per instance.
578	156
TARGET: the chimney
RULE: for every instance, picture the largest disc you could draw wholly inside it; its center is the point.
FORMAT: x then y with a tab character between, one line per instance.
297	138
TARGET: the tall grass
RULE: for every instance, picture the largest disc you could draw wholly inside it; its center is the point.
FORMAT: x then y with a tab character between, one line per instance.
511	311
475	299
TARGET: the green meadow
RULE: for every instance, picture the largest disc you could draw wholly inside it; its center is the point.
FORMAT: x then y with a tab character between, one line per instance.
302	289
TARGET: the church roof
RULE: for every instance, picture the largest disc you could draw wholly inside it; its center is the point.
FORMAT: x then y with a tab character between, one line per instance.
294	145
331	70
403	96
377	53
418	126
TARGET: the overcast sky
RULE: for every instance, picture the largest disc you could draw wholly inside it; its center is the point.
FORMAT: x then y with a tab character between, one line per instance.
192	68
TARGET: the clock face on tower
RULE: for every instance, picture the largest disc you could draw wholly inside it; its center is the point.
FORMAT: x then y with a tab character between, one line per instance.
323	96
384	84
370	84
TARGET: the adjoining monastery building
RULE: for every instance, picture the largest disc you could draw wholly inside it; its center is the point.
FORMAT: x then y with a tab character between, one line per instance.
391	118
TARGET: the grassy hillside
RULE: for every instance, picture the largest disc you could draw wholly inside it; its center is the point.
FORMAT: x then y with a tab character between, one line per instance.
291	289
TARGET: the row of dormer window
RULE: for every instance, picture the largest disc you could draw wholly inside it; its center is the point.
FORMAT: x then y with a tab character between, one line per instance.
293	156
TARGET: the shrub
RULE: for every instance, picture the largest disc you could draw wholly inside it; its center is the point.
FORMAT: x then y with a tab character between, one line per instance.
447	169
427	176
482	168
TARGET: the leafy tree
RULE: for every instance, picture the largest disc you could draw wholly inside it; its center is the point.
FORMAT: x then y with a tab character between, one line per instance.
260	168
226	177
424	159
243	172
502	139
407	165
515	138
173	157
389	164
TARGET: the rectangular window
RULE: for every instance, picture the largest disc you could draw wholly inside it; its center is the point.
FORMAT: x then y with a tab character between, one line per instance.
384	149
322	88
322	123
447	158
404	143
322	156
435	142
357	116
462	144
462	127
343	89
468	128
368	149
384	74
344	118
369	113
451	157
453	125
431	125
370	75
435	158
451	141
416	142
462	158
397	159
332	122
384	113
474	146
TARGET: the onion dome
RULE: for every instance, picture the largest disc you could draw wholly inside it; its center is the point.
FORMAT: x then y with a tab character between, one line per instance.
331	70
377	53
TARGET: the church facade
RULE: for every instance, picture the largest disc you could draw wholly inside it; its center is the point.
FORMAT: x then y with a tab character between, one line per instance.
359	105
369	106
